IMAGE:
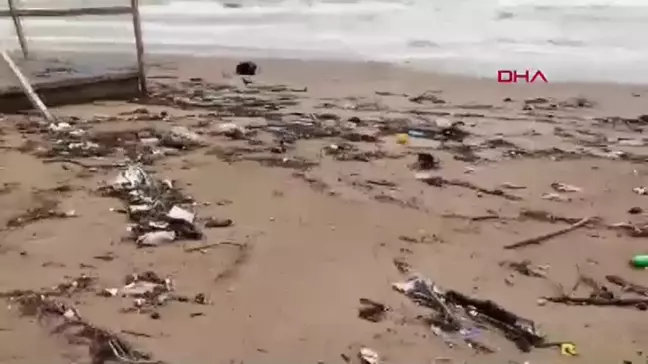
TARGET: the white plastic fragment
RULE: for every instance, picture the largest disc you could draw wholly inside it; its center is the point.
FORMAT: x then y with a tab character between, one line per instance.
132	178
563	187
177	213
640	190
139	288
369	356
156	238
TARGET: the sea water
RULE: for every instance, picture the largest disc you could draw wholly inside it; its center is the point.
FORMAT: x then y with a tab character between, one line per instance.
568	40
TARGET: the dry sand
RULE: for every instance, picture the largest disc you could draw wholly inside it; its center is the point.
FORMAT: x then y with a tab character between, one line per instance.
321	239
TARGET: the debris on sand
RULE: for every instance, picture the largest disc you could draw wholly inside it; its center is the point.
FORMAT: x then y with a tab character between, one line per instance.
546	216
426	161
213	222
371	310
246	68
82	283
634	230
555	197
147	289
369	356
103	346
297	163
222	99
7	187
544	237
640	191
627	286
440	130
63	318
459	314
427	97
563	187
635	210
47	209
601	295
439	181
153	206
526	268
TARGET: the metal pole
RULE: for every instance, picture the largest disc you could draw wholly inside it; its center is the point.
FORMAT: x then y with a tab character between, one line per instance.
28	89
139	44
19	29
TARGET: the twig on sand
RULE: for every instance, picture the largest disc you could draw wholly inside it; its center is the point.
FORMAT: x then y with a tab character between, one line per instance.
627	285
598	301
78	163
212	245
542	238
439	181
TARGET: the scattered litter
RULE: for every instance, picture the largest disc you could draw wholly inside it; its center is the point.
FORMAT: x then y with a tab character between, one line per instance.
512	186
204	247
182	138
526	268
627	286
461	314
232	131
47	209
563	187
427	96
427	161
369	356
371	310
568	349
402	265
402	138
64	319
156	238
213	222
555	197
635	210
636	231
177	213
439	181
640	190
601	295
153	207
639	261
542	238
246	68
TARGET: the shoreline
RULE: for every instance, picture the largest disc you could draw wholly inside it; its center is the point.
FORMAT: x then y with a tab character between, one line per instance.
424	67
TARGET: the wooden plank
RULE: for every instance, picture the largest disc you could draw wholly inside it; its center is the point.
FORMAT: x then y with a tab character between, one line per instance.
139	44
114	10
19	29
26	86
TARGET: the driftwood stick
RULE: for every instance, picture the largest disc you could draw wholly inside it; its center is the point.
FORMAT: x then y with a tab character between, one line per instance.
598	301
19	29
627	285
542	238
27	88
79	163
211	245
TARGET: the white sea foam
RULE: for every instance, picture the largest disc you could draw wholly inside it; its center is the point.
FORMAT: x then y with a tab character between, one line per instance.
568	40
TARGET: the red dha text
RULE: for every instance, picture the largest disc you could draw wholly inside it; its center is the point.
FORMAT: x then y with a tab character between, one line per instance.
513	76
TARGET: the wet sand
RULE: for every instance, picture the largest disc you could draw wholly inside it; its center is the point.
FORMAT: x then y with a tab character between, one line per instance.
325	225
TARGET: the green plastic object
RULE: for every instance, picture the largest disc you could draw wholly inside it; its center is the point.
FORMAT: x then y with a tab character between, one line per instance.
639	261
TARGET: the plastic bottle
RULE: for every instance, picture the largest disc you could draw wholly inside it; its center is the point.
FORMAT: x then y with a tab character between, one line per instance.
639	261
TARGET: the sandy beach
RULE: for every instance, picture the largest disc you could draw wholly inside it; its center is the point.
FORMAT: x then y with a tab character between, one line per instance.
330	204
